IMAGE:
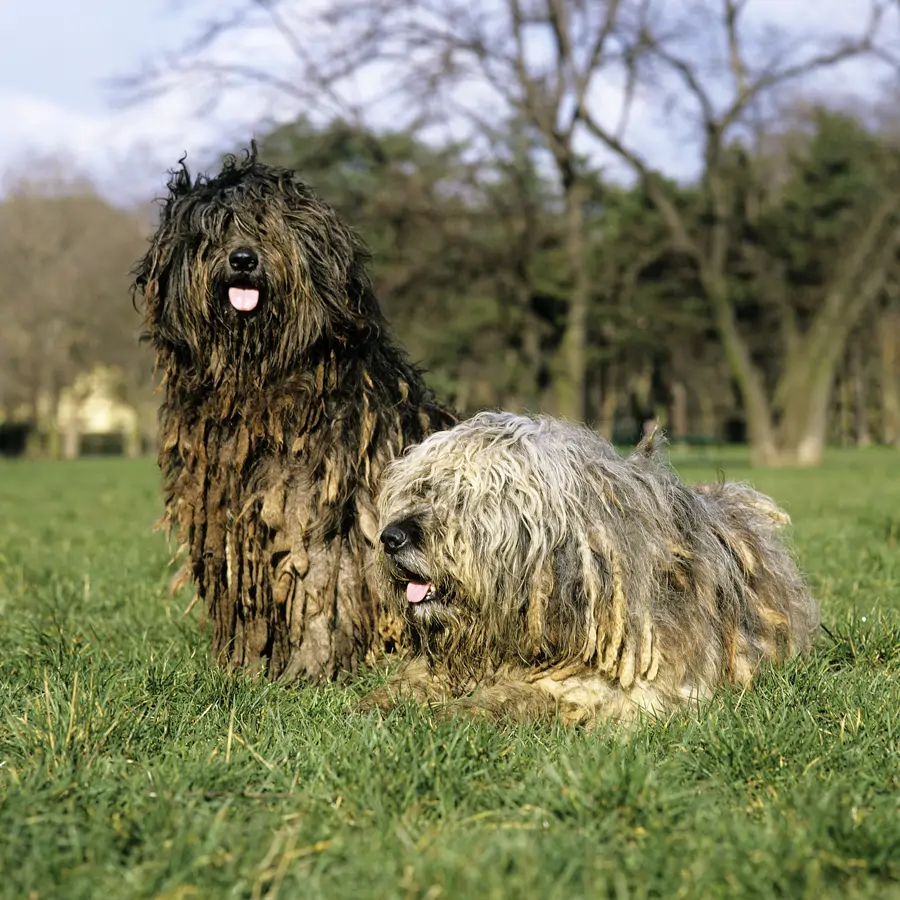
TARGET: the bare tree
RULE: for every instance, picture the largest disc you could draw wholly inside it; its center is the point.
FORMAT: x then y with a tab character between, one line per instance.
548	95
791	425
889	375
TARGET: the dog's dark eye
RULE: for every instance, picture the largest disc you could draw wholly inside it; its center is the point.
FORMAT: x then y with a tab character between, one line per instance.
415	531
412	526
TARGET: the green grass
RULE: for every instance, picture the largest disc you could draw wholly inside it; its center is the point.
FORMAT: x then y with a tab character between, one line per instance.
130	768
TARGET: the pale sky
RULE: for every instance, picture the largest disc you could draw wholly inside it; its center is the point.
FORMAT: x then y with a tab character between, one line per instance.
57	55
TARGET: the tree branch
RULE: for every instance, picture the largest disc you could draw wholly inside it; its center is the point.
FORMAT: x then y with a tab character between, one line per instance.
681	237
581	80
825	60
733	9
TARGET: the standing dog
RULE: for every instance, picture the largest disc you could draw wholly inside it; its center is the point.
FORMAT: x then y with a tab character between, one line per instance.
539	571
285	397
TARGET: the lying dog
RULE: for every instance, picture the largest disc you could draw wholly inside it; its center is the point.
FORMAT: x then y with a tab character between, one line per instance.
539	572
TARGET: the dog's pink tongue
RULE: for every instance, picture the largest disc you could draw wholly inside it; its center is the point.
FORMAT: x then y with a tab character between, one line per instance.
243	299
416	592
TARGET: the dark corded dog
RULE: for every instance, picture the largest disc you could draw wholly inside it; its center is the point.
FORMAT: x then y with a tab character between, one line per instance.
285	396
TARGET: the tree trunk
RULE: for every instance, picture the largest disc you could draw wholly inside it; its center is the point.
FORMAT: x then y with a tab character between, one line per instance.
861	434
34	438
531	355
71	439
571	385
757	408
800	403
605	402
804	389
845	408
44	440
131	440
678	414
708	425
889	352
641	387
801	438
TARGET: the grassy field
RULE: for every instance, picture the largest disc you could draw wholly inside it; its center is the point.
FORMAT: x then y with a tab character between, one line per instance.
130	768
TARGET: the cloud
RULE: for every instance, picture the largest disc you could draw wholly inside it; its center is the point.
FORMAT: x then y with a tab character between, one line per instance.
124	152
117	151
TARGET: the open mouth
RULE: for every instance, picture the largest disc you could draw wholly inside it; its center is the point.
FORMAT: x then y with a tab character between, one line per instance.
418	589
243	299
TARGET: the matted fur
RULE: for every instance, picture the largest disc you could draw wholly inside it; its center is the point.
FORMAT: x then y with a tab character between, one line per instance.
569	579
276	423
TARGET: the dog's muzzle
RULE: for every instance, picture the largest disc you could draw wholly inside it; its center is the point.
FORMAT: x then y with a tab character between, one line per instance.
242	294
396	538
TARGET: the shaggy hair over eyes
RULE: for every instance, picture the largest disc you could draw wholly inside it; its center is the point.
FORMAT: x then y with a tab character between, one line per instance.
538	571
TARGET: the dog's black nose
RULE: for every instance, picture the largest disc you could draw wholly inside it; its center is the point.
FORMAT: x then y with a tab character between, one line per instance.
243	260
394	538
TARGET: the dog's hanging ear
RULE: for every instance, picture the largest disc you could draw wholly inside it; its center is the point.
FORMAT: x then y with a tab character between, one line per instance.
146	292
150	275
361	300
578	579
145	288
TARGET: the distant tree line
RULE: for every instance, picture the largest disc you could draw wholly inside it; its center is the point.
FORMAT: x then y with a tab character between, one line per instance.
759	302
471	262
65	257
